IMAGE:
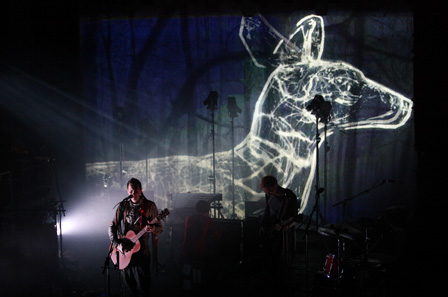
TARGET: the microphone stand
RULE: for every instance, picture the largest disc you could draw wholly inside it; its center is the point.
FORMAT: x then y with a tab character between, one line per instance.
106	269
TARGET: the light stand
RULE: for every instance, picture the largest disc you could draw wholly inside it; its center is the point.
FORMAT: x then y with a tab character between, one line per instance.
211	103
61	209
326	149
233	113
321	109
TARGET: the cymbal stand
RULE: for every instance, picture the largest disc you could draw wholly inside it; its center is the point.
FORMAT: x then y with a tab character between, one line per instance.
344	204
340	257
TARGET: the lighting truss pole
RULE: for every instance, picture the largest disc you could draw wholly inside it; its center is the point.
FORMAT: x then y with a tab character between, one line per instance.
233	113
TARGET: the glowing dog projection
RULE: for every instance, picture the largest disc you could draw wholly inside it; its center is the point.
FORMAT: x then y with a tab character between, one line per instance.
282	138
282	124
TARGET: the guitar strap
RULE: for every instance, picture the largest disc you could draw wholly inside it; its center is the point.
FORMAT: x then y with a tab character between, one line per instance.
119	219
143	210
123	219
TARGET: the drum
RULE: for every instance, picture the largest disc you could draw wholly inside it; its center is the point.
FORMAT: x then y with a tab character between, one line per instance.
330	269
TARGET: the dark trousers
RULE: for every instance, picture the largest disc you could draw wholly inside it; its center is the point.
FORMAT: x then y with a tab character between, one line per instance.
279	249
137	280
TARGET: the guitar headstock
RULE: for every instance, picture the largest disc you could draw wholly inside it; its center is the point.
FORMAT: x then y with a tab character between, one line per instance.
163	214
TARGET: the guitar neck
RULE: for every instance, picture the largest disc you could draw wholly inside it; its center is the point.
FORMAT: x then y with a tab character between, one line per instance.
138	235
143	231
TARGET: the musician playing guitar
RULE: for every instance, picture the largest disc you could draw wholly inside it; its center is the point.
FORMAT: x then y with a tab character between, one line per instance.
135	219
277	225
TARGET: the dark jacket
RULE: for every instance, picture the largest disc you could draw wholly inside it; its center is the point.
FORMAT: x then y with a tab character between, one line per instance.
131	216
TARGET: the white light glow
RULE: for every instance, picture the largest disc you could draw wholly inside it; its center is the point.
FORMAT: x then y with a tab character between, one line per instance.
86	218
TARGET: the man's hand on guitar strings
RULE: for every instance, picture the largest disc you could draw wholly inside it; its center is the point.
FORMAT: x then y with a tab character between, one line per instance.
126	244
150	228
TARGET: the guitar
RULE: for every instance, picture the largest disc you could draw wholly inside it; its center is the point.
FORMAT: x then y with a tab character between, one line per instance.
123	257
271	230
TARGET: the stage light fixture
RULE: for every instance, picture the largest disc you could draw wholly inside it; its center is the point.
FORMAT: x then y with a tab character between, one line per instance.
320	108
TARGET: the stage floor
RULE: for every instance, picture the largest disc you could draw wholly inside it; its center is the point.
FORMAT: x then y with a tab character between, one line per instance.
312	272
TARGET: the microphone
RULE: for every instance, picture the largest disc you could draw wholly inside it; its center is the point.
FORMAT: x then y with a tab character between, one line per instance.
386	181
129	197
